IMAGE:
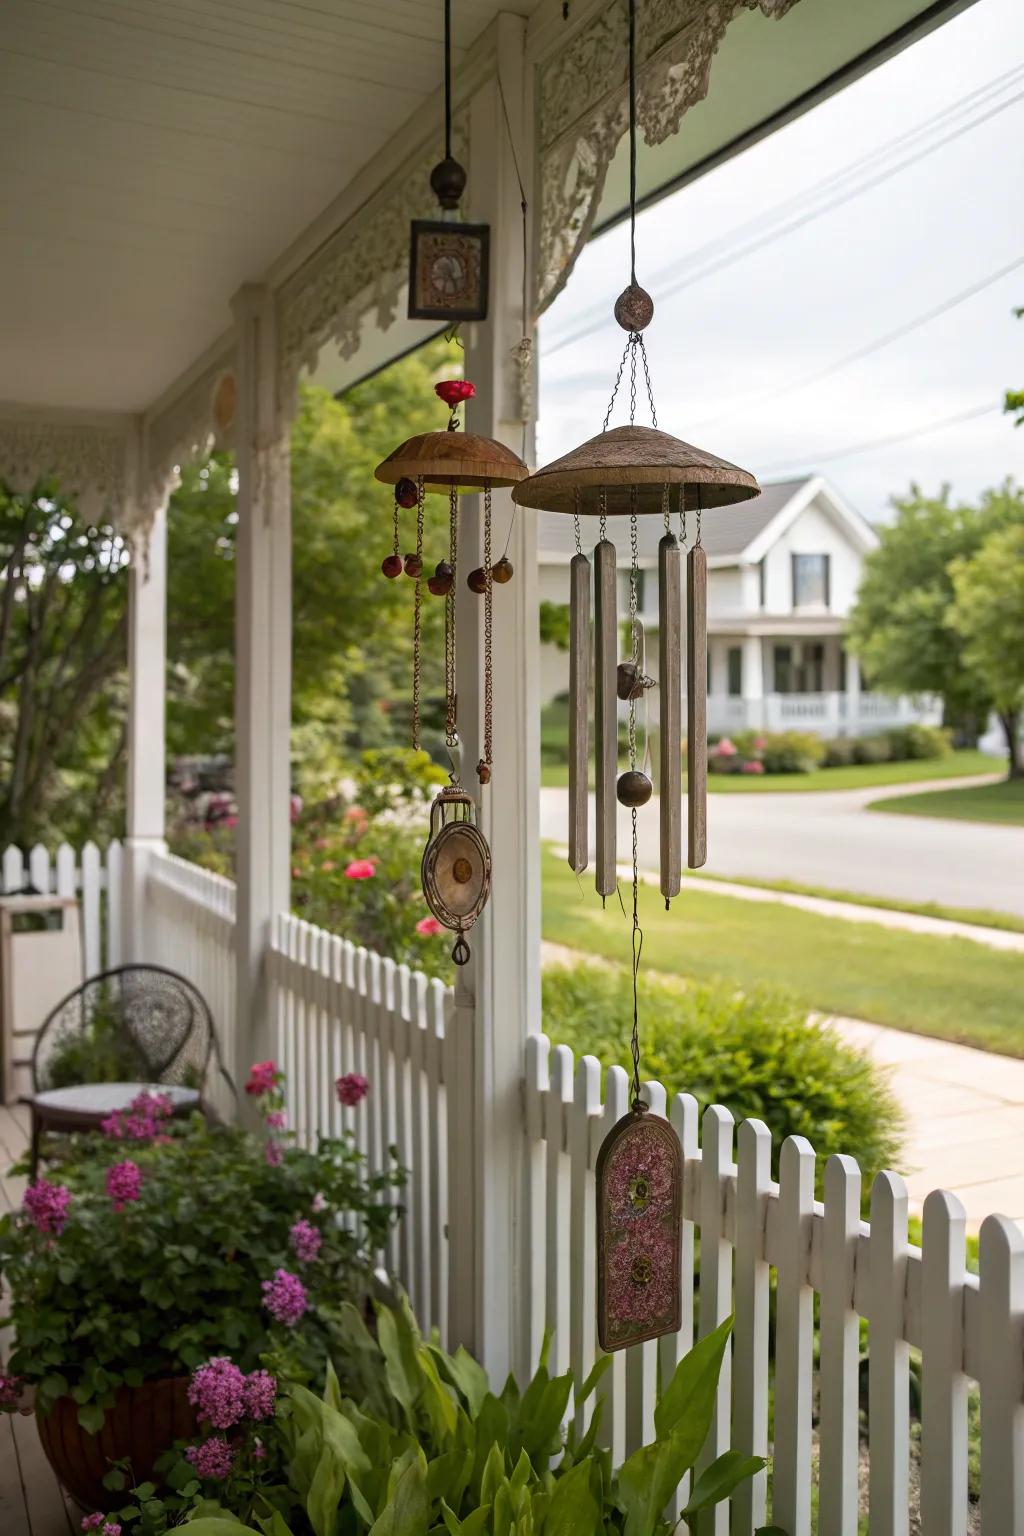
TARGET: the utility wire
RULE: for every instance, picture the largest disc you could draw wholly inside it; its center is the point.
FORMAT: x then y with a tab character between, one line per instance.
775	390
700	264
870	444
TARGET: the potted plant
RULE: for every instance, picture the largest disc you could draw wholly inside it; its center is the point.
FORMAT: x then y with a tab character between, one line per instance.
160	1244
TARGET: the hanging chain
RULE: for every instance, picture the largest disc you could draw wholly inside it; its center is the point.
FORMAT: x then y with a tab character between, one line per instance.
682	515
618	381
488	631
665	512
603	504
647	379
398	546
637	938
697	538
576	520
634	338
417	622
451	732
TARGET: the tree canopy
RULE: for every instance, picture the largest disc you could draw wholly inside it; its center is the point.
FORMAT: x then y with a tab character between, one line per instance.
988	616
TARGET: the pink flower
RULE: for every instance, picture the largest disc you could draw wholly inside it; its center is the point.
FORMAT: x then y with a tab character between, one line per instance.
753	766
725	748
213	1459
46	1206
143	1119
11	1388
124	1183
111	1528
454	391
319	1202
760	743
260	1395
327	866
258	1451
305	1240
360	869
429	926
351	1089
92	1522
296	873
273	1152
264	1077
356	815
277	1119
217	1392
321	843
284	1297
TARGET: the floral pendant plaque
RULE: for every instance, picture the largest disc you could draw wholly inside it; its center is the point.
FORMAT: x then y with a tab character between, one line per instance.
639	1231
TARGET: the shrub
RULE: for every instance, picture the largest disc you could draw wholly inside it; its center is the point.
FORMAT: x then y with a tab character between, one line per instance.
792	752
756	1053
840	752
872	749
918	743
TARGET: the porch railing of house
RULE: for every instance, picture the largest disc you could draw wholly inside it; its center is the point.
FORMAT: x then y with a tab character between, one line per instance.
94	878
799	1274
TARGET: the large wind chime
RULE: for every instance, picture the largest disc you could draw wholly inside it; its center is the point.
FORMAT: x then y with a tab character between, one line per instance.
636	472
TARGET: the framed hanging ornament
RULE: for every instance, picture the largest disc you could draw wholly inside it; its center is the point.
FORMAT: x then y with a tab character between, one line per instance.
636	472
456	865
449	261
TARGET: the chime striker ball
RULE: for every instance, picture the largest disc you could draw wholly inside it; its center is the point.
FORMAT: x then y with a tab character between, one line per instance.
391	565
629	680
476	581
633	788
448	182
413	565
440	584
406	493
503	571
634	308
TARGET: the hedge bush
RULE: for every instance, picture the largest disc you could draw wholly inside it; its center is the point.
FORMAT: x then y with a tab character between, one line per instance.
902	744
779	751
756	1053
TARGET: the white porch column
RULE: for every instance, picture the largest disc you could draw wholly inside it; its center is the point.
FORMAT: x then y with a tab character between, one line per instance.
851	703
498	993
262	667
752	678
147	689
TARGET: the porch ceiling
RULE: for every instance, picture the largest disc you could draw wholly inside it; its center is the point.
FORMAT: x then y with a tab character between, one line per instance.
157	154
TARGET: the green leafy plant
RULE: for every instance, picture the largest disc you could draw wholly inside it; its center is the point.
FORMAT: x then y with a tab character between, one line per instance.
141	1258
756	1052
409	1440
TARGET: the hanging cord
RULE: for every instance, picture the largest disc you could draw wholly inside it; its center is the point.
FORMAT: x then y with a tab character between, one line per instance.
484	771
696	541
632	142
523	350
681	512
448	79
451	731
417	620
576	520
637	935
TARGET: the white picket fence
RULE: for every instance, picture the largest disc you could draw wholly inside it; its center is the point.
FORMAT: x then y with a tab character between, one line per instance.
966	1328
94	877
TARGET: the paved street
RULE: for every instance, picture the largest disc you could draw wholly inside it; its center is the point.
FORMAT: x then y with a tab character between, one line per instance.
829	839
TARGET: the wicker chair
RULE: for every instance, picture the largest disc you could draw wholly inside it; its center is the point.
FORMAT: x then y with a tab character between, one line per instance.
137	1023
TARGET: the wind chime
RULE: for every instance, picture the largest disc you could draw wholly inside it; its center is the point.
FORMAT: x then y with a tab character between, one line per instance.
634	472
456	867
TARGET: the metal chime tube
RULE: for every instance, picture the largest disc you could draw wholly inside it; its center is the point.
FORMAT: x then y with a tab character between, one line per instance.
697	704
670	707
606	724
579	712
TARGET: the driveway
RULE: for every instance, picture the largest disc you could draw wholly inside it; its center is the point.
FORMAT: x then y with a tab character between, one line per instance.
830	839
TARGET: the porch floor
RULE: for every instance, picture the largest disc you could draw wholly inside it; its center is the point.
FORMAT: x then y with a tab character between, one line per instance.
32	1502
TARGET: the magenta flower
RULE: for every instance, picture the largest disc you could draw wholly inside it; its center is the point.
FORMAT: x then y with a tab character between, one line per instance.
284	1297
351	1089
213	1459
319	1202
305	1240
111	1528
11	1388
360	869
124	1183
92	1522
754	765
429	926
260	1395
217	1392
276	1120
46	1206
274	1154
726	748
143	1120
263	1078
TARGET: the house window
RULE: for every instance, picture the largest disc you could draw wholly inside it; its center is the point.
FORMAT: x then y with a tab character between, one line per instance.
810	581
813	669
735	660
782	669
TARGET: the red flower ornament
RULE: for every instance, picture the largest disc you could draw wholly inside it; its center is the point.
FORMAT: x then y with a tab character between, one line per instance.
360	869
454	391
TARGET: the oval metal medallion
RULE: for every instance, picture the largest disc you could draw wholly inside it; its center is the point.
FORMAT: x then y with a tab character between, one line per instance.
639	1231
456	874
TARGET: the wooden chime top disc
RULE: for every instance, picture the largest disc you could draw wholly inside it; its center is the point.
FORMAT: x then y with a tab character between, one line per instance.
444	459
630	465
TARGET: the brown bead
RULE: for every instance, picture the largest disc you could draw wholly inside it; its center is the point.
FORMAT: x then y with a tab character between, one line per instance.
503	571
440	584
483	772
629	683
633	788
634	308
391	565
413	565
406	493
448	180
476	581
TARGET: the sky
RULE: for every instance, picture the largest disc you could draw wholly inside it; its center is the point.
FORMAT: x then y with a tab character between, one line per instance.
730	343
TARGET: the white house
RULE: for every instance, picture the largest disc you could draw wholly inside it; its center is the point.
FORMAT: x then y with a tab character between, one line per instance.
784	570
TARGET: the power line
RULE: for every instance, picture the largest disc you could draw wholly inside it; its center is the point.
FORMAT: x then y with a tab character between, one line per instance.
870	444
790	387
729	256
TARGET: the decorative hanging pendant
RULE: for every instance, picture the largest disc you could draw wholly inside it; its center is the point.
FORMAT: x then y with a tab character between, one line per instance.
448	260
639	1231
456	867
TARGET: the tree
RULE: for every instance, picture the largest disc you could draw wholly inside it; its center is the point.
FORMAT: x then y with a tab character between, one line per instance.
899	626
988	617
1014	399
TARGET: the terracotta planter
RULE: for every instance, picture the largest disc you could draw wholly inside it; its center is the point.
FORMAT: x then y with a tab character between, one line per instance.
143	1423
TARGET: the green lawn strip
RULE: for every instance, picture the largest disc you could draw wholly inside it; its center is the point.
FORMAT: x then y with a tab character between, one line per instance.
856	776
951	988
1000	804
981	917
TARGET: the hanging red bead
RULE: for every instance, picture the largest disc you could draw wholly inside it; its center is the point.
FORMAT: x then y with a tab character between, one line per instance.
391	565
406	494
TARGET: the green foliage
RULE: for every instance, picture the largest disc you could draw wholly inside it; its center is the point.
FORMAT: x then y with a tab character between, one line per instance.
988	616
554	625
756	1052
100	1052
422	1445
901	744
900	626
175	1276
63	606
777	751
1014	398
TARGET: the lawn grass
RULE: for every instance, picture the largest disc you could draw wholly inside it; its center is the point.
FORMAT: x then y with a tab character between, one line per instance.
856	776
1001	804
981	917
951	988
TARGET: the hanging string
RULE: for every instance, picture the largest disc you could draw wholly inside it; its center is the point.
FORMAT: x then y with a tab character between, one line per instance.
484	770
637	935
576	520
448	79
632	141
417	619
523	351
682	515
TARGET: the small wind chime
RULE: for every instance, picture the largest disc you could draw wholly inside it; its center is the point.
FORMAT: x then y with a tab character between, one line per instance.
637	471
456	867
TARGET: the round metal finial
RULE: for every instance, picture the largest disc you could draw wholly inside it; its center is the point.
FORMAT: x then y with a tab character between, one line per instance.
448	180
634	308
